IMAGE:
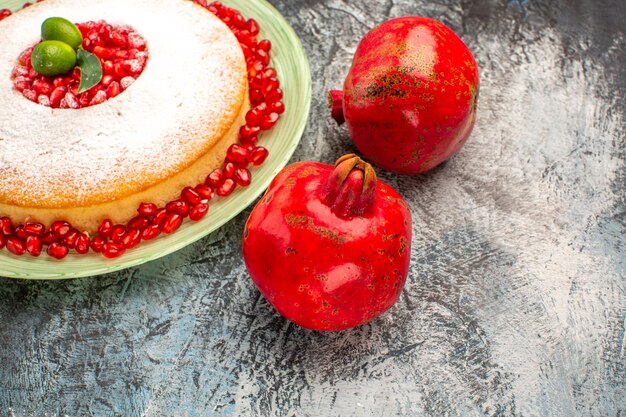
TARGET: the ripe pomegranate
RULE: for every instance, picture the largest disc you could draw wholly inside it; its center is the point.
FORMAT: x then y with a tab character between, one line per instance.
328	247
410	97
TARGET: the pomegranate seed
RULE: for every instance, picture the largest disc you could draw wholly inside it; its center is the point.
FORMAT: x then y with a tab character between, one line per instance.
198	211
254	117
190	195
57	250
6	226
71	237
20	232
113	250
3	241
34	245
113	89
138	223
106	80
57	94
99	97
229	169
117	233
172	222
248	131
105	228
277	107
15	246
237	153
159	217
151	232
48	237
250	141
4	13
258	156
265	45
256	96
269	121
60	228
204	191
215	178
102	52
178	206
97	244
147	209
275	95
269	73
131	238
42	87
253	27
226	188
82	244
30	94
243	177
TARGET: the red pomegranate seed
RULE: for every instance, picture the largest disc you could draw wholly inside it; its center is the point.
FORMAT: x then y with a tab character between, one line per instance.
258	156
6	226
113	250
265	45
237	153
113	89
275	95
254	117
131	238
269	121
105	228
34	245
48	237
106	80
82	244
277	107
57	250
3	241
256	96
60	228
178	206
147	209
190	195
198	211
4	13
15	246
229	170
97	244
57	94
151	232
138	222
204	191
215	178
20	232
227	188
271	85
30	94
248	131
159	216
242	177
41	86
250	141
117	233
253	26
172	222
269	73
71	237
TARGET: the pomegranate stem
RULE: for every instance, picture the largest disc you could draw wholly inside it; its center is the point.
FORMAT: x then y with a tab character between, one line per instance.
351	187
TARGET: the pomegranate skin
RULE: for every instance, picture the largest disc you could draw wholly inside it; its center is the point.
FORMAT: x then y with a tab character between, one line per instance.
410	97
320	270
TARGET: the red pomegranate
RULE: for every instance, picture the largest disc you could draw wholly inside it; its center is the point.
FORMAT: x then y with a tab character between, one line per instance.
410	97
329	247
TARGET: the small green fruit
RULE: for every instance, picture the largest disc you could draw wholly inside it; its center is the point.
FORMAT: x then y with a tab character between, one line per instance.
60	29
53	58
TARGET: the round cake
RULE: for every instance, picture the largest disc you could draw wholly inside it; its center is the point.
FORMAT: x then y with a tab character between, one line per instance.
167	130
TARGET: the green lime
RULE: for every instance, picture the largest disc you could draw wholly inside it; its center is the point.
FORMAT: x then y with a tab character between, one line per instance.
53	58
59	29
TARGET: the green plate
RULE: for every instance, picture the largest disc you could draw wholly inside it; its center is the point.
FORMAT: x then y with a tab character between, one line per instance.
289	59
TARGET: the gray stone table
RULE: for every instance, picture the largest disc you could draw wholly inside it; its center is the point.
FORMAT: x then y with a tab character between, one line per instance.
515	300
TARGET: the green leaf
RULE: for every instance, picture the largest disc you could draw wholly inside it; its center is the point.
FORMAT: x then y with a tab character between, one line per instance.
90	70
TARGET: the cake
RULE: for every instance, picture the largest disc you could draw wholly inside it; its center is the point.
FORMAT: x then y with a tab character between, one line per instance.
184	127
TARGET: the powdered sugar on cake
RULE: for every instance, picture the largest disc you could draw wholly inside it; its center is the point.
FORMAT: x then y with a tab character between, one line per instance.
184	101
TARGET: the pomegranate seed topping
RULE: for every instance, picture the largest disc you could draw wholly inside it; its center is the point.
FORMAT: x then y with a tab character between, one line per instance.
41	86
60	228
265	45
3	241
178	206
249	131
204	191
20	232
15	246
6	226
190	195
57	94
131	238
151	232
138	223
215	178
269	73
34	229
198	211
71	237
269	121
4	13
113	250
256	96
105	228
34	245
227	188
253	27
258	156
106	80
147	209
277	107
117	233
82	244
48	237
97	244
229	170
100	97
113	89
243	177
159	216
57	250
172	222
237	153
275	95
30	94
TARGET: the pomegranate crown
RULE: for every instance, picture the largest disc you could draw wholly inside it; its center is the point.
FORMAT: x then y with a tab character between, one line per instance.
350	189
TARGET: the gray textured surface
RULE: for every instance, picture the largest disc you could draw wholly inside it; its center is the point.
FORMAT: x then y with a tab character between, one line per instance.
516	297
